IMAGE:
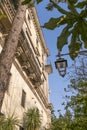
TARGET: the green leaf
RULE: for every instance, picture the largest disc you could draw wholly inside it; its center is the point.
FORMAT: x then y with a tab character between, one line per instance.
83	13
75	43
61	10
32	119
26	2
49	7
2	16
74	49
83	31
62	39
53	23
30	2
71	6
81	4
72	1
56	22
8	123
71	19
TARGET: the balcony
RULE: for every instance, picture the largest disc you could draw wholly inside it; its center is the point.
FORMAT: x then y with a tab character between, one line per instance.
28	61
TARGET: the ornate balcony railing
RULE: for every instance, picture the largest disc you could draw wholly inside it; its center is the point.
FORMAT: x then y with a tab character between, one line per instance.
28	59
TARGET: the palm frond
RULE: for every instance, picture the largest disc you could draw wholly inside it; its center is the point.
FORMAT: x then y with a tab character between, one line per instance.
32	119
9	122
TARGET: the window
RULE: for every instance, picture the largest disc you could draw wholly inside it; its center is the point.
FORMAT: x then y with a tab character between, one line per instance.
28	17
27	33
23	98
37	41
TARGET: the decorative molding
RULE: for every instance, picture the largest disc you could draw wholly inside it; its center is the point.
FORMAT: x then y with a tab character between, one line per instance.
48	68
38	29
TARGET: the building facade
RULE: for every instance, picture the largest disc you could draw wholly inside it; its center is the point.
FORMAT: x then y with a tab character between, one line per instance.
28	85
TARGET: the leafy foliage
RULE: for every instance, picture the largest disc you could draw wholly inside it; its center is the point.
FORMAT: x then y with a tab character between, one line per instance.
31	2
8	123
2	16
78	101
74	22
81	4
32	119
62	39
75	117
61	123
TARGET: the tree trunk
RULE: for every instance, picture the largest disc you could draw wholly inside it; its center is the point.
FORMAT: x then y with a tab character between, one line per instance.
9	49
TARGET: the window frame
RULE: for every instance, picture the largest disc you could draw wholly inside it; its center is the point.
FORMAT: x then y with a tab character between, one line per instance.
23	98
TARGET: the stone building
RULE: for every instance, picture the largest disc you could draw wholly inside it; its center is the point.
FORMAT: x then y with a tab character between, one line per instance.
28	85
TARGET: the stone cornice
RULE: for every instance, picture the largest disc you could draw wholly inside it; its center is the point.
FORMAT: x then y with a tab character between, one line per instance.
38	29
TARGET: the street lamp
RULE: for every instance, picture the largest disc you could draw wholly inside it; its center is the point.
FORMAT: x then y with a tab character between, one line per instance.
61	65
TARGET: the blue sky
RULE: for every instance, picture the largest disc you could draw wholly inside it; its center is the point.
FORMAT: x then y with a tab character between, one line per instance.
56	82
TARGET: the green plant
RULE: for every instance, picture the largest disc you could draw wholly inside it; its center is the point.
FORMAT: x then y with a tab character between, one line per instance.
9	122
32	120
73	19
